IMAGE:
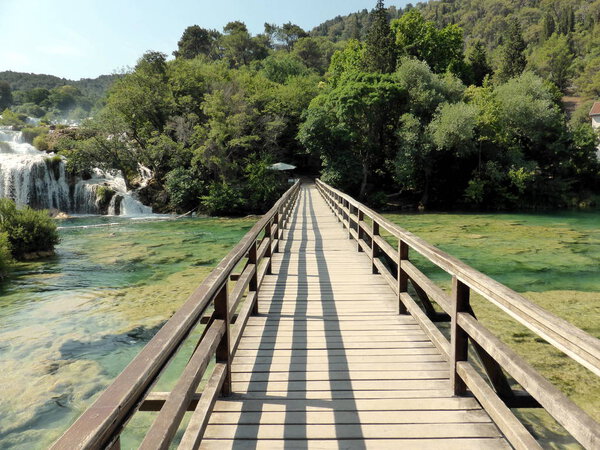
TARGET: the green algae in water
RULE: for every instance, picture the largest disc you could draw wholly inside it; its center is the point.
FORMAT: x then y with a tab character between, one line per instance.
551	259
71	323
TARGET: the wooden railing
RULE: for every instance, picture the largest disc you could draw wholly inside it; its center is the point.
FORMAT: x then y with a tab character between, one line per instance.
394	264
224	301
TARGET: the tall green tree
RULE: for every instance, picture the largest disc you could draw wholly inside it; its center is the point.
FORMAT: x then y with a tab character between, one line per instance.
479	65
5	95
513	60
380	54
438	47
554	60
195	41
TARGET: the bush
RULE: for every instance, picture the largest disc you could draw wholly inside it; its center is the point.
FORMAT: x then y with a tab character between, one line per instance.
183	188
11	119
28	230
5	254
30	133
222	199
41	143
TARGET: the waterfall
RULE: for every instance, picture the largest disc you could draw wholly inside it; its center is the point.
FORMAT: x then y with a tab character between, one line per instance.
38	179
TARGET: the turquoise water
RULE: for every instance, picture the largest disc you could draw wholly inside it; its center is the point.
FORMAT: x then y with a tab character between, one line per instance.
71	323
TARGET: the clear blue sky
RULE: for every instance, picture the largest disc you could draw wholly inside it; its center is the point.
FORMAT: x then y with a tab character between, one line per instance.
86	38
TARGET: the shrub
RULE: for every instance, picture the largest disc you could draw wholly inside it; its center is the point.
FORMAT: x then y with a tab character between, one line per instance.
5	254
41	143
222	199
30	133
28	230
183	188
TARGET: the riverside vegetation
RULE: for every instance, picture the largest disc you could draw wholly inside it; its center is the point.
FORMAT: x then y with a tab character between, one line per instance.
452	105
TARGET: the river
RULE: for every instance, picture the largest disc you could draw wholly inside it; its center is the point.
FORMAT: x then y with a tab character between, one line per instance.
70	324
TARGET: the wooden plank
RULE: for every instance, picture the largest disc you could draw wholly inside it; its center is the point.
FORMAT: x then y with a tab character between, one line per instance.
342	375
340	385
360	418
368	444
383	366
351	431
380	404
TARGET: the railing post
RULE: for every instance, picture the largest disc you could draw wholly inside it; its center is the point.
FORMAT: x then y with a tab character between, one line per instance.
359	228
349	221
402	276
223	354
253	285
268	253
459	339
374	247
276	237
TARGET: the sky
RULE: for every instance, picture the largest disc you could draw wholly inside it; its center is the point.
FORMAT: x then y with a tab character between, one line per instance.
87	38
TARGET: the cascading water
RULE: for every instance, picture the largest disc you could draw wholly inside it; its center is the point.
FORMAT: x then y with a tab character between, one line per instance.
37	179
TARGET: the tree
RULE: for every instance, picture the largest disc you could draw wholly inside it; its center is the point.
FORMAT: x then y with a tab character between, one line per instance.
439	48
380	54
478	63
513	61
197	41
288	34
5	95
351	128
554	60
239	47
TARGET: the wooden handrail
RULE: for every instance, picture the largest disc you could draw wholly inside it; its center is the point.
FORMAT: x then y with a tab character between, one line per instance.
101	424
574	342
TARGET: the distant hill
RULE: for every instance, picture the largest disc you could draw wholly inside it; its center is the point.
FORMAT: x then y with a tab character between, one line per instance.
92	88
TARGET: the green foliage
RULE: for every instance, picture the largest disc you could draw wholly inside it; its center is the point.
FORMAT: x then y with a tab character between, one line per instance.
27	230
6	98
5	254
554	61
513	61
30	133
197	41
184	188
380	55
421	39
478	62
12	119
279	67
222	199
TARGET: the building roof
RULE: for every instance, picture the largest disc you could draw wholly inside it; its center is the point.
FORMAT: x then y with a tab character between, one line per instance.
595	109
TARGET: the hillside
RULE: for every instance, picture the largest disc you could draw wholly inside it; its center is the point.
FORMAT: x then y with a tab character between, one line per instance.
92	88
575	22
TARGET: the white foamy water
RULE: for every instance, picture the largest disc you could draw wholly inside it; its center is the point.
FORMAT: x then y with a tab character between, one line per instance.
38	179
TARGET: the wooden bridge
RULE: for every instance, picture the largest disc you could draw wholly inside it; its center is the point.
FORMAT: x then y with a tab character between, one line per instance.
319	332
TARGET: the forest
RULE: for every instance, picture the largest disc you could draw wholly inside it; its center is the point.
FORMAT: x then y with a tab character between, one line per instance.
442	105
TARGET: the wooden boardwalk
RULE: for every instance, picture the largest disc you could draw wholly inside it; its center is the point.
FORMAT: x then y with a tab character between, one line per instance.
329	363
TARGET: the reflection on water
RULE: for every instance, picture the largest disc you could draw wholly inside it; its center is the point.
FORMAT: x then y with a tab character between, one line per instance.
71	323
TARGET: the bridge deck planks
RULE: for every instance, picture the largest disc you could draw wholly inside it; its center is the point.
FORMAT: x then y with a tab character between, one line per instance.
328	362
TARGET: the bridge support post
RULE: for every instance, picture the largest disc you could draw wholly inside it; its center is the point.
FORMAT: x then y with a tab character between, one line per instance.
459	339
223	354
402	275
374	248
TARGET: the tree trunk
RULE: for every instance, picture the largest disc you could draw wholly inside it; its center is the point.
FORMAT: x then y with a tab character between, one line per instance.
363	184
